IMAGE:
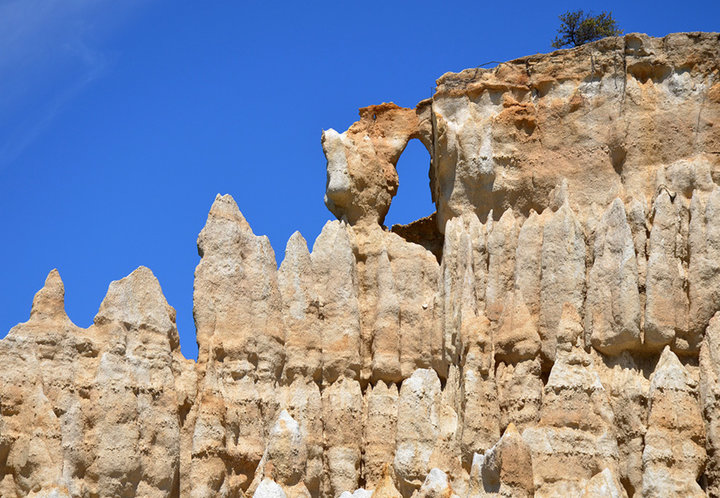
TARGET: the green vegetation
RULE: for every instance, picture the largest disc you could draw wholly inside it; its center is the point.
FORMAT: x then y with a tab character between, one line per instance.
577	28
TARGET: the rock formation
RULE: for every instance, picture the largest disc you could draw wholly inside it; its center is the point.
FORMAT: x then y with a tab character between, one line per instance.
552	330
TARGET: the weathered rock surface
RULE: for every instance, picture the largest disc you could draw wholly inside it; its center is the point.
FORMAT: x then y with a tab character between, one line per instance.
552	330
674	453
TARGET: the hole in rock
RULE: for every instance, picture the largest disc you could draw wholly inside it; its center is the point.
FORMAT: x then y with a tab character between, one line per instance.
617	157
411	213
413	200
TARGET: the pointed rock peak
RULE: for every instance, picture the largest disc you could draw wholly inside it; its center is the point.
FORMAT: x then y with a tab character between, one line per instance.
471	221
615	212
379	388
436	485
511	431
453	227
636	210
49	302
383	389
574	368
533	220
297	255
333	239
136	301
559	195
506	221
613	219
570	329
269	489
225	207
297	244
285	424
566	211
664	195
670	374
330	132
386	485
604	485
225	223
422	380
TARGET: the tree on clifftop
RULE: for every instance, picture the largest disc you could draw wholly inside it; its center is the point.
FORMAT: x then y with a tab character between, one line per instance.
577	28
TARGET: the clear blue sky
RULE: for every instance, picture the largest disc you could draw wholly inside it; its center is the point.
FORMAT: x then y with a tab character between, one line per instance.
121	120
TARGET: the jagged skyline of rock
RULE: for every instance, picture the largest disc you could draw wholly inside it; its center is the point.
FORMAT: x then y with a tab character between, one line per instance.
165	124
551	330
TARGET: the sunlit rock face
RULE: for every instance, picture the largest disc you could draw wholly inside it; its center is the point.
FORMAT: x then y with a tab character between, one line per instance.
552	330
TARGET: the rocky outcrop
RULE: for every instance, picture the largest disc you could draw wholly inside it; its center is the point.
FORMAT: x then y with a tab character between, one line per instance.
674	453
95	411
548	331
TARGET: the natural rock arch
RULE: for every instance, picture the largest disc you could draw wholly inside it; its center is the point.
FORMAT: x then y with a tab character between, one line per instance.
362	177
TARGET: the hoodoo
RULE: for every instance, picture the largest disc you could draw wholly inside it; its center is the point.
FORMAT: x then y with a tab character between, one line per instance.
552	330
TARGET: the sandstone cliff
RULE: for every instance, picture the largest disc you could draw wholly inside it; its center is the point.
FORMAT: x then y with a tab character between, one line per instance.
552	330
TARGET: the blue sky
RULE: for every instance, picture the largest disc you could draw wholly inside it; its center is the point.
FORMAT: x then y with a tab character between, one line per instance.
120	121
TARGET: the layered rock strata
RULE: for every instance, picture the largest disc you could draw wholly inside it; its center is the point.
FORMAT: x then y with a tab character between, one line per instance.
553	330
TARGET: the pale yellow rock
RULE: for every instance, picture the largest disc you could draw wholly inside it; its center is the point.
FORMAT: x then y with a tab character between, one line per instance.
606	116
575	437
613	303
286	451
361	175
239	317
516	338
302	400
416	277
604	485
667	303
397	285
528	262
506	468
520	389
386	329
501	244
380	428
389	362
242	298
464	265
342	405
333	264
436	485
704	264
386	486
480	413
628	389
95	409
709	397
674	453
301	307
138	424
563	274
447	450
417	428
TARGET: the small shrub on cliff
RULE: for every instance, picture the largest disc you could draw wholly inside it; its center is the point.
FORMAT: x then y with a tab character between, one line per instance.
577	28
